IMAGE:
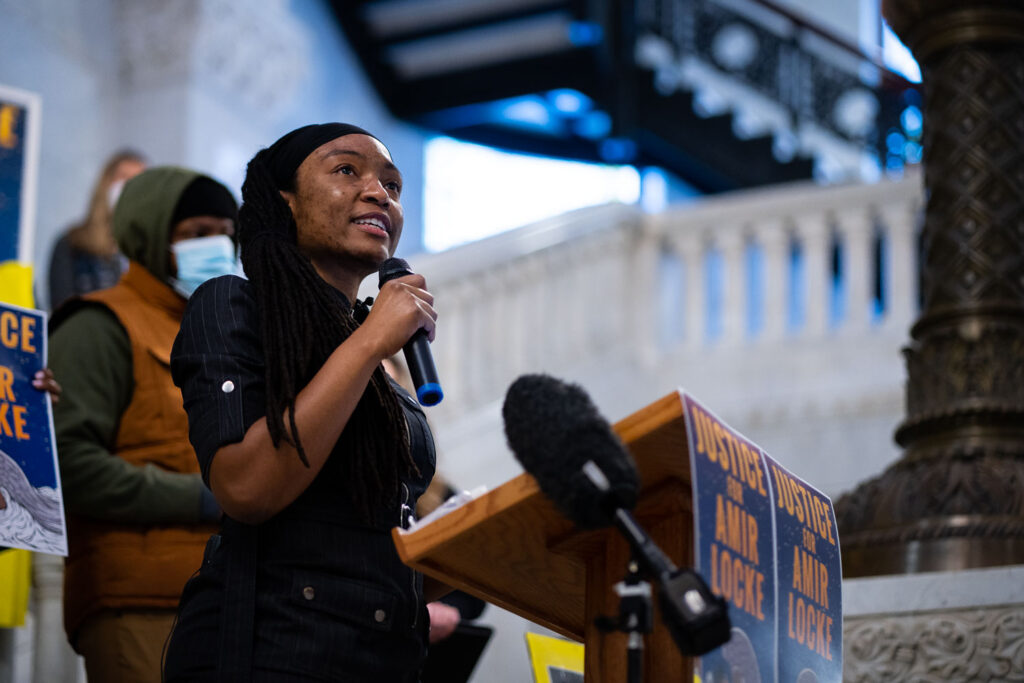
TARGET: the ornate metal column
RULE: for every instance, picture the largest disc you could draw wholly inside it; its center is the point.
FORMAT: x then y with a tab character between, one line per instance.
956	497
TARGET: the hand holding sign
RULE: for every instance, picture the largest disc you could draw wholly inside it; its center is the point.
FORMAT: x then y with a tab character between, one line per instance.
45	381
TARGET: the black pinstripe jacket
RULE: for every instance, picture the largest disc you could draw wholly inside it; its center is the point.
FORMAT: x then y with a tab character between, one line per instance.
312	594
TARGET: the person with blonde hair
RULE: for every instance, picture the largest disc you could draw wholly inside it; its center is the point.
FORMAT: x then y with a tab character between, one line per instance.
86	258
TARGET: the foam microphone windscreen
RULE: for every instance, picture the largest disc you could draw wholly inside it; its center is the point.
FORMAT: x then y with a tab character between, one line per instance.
553	429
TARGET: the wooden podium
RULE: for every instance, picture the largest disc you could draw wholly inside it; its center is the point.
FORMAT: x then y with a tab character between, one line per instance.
512	548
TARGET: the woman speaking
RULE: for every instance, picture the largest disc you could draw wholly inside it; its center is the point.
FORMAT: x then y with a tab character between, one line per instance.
311	451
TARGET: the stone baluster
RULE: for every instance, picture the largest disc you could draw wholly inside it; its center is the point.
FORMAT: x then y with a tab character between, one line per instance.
899	222
579	286
450	342
608	297
616	295
475	354
553	305
857	230
493	319
815	242
773	237
533	272
641	291
496	301
518	329
731	239
691	249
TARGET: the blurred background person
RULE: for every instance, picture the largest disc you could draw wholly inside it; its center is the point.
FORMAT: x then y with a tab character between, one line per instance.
138	512
86	258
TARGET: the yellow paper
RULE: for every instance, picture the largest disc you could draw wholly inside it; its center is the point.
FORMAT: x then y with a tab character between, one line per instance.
16	284
547	652
15	565
15	571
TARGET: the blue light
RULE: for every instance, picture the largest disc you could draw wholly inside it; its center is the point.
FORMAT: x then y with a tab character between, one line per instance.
912	98
912	121
912	152
584	33
618	150
593	125
569	101
894	142
461	117
526	110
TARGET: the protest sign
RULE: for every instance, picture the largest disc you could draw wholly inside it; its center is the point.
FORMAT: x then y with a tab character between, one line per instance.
766	542
31	512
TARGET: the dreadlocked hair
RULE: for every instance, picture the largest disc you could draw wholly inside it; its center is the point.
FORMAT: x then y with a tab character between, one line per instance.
302	322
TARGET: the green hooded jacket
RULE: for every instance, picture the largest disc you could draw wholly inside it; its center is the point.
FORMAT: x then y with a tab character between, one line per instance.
91	357
142	217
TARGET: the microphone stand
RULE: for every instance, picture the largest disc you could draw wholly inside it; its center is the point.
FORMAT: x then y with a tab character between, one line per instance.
697	619
635	619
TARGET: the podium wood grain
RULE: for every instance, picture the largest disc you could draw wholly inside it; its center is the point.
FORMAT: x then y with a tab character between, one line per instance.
512	548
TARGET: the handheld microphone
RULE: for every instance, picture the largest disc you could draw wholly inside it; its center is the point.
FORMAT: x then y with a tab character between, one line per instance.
559	437
417	349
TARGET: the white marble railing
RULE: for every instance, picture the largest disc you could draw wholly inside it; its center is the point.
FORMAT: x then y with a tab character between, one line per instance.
609	284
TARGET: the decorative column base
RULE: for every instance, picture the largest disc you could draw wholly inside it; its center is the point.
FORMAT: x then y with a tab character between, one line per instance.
951	628
940	514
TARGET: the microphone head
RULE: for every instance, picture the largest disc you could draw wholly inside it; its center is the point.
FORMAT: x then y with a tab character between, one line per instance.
553	429
392	268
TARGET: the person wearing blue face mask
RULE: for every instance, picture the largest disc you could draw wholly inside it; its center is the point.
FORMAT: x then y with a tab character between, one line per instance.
202	239
138	512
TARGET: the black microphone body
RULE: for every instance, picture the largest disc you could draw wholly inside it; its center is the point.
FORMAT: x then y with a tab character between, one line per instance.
697	618
417	350
558	436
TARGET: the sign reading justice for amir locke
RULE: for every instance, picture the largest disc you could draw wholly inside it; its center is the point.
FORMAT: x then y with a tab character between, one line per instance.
31	513
766	542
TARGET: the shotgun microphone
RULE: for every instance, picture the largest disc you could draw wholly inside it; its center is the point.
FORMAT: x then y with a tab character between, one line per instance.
557	435
553	430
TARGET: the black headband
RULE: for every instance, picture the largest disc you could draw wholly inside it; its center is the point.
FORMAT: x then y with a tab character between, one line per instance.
285	156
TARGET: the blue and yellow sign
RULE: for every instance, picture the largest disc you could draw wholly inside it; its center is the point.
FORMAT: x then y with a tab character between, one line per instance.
19	154
12	166
31	512
809	580
734	544
766	542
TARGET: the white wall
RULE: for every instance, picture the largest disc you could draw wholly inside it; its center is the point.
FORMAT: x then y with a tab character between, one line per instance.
201	83
64	51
